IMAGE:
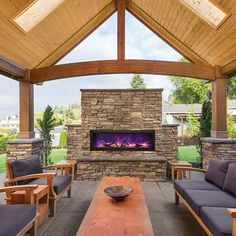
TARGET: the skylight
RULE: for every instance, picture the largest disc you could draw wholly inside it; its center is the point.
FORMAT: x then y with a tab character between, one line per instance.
34	13
208	11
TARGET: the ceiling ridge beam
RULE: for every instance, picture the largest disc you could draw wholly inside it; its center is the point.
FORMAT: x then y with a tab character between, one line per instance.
122	66
168	37
79	36
11	69
121	6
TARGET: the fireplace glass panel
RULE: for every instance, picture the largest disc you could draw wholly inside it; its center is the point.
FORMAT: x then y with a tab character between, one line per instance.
120	140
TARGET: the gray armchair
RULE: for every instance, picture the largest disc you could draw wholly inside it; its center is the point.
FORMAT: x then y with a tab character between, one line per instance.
21	218
30	171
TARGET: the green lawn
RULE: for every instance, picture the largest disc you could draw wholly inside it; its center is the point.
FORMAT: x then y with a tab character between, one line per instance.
57	155
188	153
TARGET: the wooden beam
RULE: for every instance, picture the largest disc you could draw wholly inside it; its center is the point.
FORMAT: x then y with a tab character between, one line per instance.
11	69
79	36
164	34
122	66
229	68
121	5
219	106
26	94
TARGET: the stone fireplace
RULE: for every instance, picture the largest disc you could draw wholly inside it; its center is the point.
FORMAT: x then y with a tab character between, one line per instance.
121	133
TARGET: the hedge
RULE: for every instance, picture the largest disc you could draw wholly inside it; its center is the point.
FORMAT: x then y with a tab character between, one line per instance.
63	139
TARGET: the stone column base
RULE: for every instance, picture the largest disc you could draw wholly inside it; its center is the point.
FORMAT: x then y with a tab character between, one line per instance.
221	148
23	148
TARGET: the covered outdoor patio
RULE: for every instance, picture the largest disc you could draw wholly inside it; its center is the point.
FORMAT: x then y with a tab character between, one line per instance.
36	35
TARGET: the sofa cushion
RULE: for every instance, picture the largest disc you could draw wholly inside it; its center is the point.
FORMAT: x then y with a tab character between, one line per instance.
216	172
230	184
28	166
217	220
60	182
204	198
182	185
14	218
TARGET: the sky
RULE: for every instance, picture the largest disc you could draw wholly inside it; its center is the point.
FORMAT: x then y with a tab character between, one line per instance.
141	43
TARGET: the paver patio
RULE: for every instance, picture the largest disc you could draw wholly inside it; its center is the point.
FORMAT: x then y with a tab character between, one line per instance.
167	218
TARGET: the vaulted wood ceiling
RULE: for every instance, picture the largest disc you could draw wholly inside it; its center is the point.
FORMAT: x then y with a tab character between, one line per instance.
73	20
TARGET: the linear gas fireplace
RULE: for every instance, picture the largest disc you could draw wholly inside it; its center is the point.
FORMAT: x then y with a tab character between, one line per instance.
122	140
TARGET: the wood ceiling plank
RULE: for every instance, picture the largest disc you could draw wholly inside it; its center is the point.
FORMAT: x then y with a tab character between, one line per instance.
229	68
79	36
11	69
163	33
122	66
49	34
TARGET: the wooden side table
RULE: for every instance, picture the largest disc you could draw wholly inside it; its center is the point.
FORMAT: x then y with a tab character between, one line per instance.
177	163
41	200
73	164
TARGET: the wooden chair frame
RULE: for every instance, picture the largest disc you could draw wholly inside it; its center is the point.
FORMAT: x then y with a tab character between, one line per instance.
231	212
53	197
31	227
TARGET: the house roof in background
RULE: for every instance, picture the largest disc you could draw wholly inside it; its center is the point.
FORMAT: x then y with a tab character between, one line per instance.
185	108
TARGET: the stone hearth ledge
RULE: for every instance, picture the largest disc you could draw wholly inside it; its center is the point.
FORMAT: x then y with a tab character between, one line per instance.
123	158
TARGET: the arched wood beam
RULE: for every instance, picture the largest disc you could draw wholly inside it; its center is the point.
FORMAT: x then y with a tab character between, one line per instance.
122	66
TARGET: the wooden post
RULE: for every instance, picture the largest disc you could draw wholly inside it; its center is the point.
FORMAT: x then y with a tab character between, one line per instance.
26	94
121	4
219	107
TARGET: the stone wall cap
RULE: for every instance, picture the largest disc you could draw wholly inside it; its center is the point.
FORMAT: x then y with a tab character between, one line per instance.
122	90
24	141
170	125
122	158
73	125
219	140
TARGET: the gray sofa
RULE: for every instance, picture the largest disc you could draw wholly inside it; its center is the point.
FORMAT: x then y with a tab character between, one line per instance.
212	201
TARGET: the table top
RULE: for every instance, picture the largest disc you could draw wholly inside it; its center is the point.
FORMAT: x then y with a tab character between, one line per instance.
179	163
107	217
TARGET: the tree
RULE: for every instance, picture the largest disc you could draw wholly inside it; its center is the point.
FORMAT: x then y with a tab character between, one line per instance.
137	82
205	120
191	90
188	90
232	87
231	126
45	126
193	124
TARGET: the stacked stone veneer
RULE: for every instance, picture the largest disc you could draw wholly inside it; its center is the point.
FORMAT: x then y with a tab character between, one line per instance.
23	148
127	109
221	148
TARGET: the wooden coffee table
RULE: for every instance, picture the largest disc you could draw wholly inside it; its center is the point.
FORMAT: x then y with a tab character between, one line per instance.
107	217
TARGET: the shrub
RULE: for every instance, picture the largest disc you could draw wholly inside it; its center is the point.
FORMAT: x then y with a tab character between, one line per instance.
63	139
3	141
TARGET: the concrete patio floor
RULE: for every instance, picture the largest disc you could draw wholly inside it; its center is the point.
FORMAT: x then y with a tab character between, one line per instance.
167	218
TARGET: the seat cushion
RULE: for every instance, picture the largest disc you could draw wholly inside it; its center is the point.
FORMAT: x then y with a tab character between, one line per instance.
60	182
230	184
216	172
217	220
13	218
204	198
182	185
28	166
